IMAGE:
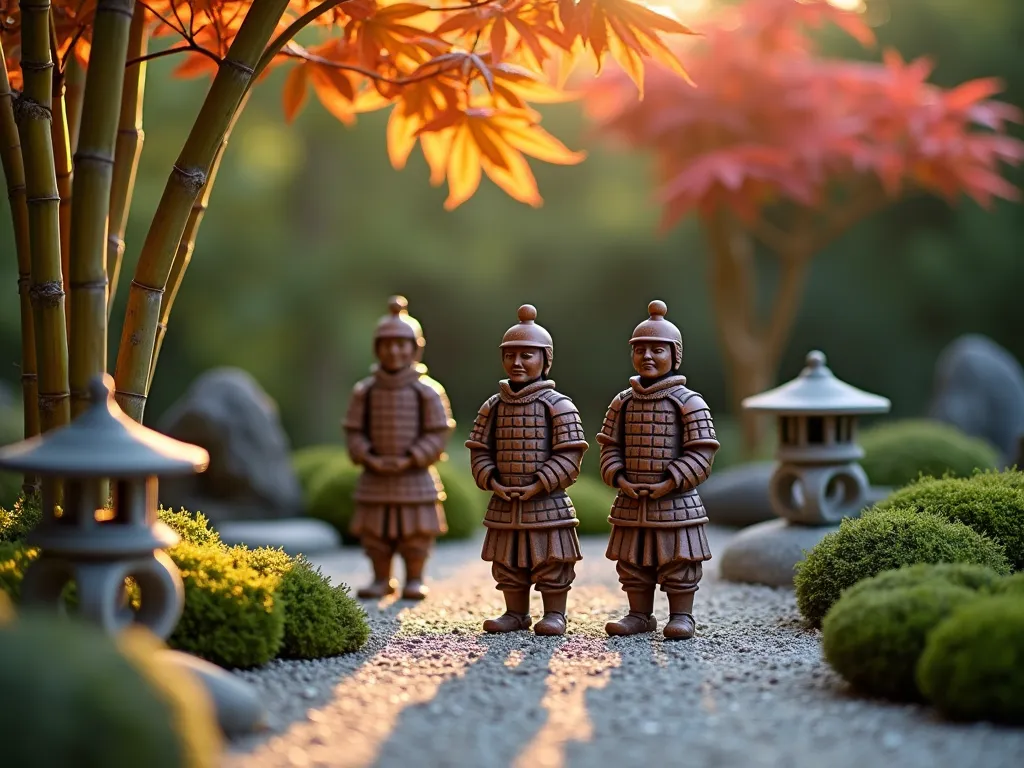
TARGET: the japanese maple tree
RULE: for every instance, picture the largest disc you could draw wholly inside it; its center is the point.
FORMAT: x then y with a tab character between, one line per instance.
459	78
778	148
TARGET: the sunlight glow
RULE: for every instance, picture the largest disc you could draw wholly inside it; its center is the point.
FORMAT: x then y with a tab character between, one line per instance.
848	5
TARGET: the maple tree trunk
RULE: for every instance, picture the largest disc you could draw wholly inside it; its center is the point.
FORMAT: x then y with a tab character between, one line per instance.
751	351
47	286
142	316
94	163
130	137
14	173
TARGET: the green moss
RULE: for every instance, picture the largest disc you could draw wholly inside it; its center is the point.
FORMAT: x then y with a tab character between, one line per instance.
967	575
85	701
242	607
320	619
874	638
972	667
192	528
593	502
14	559
308	461
1011	585
18	520
882	541
331	480
992	504
232	616
898	452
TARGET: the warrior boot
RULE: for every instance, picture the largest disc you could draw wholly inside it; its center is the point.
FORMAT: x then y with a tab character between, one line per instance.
680	621
553	622
382	585
516	616
414	587
640	617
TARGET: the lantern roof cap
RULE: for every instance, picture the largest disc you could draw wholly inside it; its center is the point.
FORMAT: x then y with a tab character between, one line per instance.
816	391
103	441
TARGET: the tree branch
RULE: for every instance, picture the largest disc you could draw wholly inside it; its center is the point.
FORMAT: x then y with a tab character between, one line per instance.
188	47
296	53
290	31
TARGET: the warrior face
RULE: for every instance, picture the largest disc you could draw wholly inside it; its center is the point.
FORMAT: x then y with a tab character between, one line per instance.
396	354
523	364
652	359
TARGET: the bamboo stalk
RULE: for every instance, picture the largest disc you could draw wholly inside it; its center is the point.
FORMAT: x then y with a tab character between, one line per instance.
14	172
74	81
234	76
130	137
94	167
61	139
187	245
47	287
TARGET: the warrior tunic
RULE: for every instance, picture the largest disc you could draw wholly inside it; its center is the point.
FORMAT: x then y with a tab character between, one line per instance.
651	434
520	438
397	415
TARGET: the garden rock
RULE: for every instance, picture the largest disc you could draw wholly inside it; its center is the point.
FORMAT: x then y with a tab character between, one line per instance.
303	536
766	553
250	476
738	496
237	704
979	388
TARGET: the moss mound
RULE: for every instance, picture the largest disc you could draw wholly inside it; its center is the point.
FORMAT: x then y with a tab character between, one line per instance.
973	577
86	701
319	619
875	637
991	504
882	541
242	607
898	452
1011	585
330	481
232	616
972	667
593	502
308	461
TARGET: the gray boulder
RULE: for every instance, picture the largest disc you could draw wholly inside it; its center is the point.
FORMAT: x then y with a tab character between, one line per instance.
979	388
250	475
738	496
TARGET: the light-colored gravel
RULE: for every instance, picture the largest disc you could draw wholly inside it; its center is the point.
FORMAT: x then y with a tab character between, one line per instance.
431	689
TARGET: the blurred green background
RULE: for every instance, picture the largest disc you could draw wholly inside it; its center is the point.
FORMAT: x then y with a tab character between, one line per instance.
310	230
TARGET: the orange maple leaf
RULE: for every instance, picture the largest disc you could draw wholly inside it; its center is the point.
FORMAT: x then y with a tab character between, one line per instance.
494	142
626	29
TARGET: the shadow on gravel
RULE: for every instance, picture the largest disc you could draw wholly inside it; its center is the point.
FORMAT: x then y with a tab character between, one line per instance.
483	717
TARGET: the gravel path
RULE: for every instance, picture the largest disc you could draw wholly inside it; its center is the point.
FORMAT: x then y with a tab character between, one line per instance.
430	689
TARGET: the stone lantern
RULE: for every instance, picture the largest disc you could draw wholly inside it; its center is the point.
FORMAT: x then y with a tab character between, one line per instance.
817	480
98	547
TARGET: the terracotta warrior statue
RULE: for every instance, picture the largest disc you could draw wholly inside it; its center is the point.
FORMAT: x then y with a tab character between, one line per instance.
398	423
526	447
657	445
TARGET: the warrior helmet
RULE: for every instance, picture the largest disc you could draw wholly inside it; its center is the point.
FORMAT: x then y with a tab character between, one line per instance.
528	334
657	328
399	324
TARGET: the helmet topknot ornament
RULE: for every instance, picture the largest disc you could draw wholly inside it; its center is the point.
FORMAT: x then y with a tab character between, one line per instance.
526	333
657	328
399	324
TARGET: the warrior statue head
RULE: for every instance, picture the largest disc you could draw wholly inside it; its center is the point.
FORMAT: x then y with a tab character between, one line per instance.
657	344
526	348
398	341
